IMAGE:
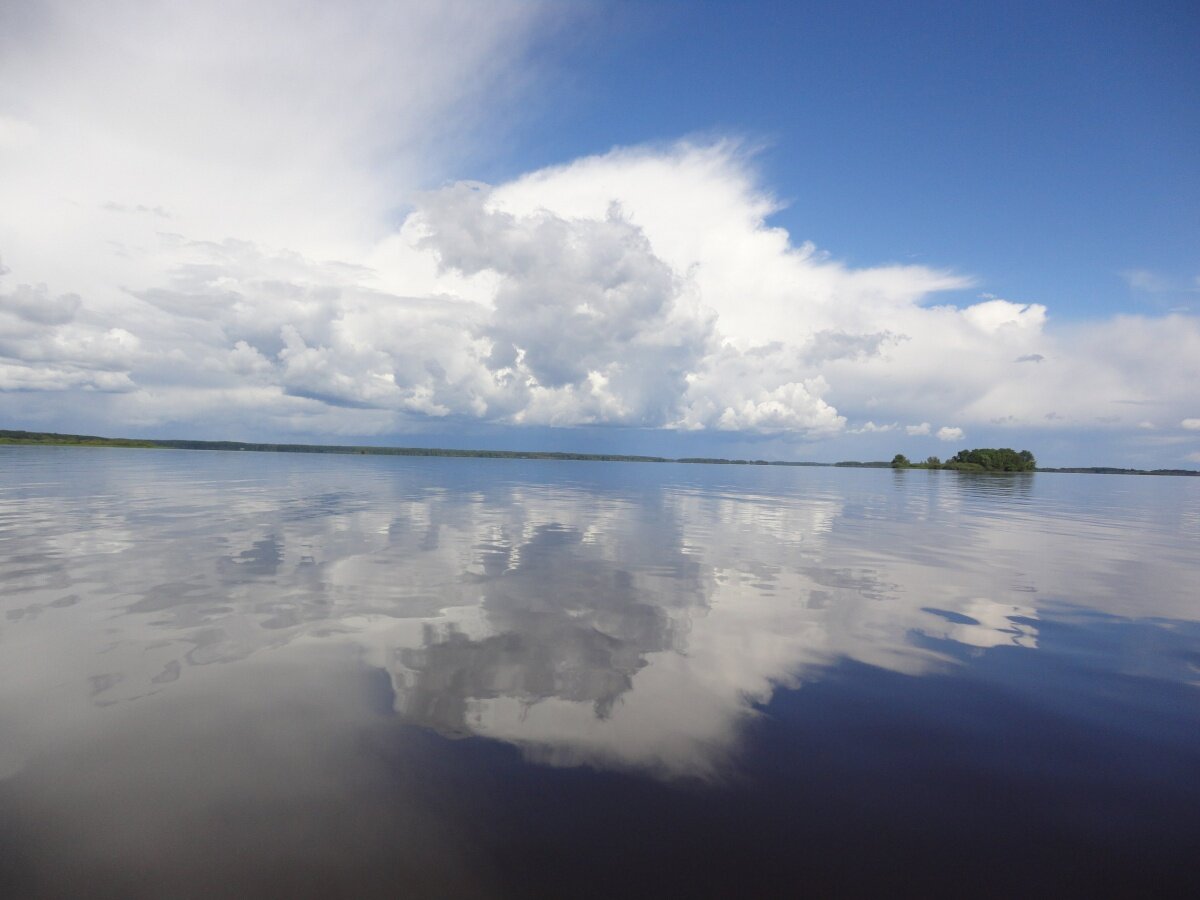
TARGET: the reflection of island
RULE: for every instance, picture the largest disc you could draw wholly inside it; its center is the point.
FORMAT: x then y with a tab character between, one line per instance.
616	625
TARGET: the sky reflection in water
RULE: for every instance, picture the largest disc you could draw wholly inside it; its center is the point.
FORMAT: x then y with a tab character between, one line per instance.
186	637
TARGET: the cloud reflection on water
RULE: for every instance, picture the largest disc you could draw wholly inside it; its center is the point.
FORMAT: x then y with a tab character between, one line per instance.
629	616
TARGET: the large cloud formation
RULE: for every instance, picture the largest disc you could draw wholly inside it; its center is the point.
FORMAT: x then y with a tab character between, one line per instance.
220	255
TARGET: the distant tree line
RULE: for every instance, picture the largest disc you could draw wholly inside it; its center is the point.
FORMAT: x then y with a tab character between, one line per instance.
983	459
88	440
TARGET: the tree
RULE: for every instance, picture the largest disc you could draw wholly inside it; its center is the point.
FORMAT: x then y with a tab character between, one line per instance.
900	461
933	462
989	459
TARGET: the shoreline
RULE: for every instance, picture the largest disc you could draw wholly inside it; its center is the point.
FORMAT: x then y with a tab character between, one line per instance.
17	438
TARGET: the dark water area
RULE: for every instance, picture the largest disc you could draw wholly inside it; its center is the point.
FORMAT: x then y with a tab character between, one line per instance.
236	674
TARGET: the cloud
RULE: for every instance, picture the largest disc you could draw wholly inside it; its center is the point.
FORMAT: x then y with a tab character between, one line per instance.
830	344
794	407
33	304
947	433
308	280
1145	280
44	349
1190	424
111	206
591	294
585	315
287	122
705	215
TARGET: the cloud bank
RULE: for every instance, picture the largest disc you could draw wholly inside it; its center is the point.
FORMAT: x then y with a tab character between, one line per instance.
202	238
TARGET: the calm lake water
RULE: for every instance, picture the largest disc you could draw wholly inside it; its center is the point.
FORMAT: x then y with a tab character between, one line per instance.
292	675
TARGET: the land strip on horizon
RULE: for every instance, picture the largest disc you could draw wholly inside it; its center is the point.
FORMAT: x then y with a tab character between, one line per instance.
52	439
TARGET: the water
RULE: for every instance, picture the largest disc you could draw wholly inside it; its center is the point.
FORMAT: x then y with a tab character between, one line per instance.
288	675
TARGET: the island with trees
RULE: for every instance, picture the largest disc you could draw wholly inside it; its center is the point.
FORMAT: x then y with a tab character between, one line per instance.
983	459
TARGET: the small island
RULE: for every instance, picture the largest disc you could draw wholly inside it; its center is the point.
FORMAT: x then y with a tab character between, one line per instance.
983	459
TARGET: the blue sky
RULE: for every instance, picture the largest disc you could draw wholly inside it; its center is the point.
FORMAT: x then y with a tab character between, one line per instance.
789	230
1045	148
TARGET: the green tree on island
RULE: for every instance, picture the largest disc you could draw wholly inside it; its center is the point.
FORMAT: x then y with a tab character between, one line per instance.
900	461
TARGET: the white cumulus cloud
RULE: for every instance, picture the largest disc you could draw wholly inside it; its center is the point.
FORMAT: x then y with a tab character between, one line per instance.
210	230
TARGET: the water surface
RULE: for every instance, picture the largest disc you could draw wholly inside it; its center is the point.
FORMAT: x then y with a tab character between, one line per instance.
282	674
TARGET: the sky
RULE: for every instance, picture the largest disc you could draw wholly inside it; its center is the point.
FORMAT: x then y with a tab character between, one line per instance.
803	231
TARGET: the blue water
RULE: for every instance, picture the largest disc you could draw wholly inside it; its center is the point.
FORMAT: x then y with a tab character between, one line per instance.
243	674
